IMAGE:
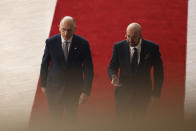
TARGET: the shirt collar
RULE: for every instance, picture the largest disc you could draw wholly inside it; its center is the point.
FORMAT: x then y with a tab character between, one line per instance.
138	46
63	41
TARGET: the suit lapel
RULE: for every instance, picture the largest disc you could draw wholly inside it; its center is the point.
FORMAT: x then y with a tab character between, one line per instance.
60	50
144	50
72	47
125	53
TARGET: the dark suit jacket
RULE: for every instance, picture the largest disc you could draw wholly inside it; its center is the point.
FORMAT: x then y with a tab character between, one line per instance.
76	73
149	57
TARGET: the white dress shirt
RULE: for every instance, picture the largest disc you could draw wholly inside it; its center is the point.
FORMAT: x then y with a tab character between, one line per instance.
64	42
138	51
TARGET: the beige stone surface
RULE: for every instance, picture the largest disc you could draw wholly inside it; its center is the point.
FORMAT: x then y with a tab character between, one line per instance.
24	26
190	95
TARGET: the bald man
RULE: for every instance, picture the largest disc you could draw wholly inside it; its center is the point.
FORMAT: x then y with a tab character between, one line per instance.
67	80
135	57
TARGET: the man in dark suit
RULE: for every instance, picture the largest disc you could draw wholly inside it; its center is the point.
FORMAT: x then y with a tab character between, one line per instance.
135	58
66	72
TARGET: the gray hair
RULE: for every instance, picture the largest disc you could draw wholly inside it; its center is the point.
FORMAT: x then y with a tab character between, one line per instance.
70	19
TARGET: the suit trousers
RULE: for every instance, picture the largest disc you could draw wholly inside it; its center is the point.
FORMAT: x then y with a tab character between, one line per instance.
131	103
63	110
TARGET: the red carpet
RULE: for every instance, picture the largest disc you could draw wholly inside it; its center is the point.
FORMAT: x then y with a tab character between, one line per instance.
103	23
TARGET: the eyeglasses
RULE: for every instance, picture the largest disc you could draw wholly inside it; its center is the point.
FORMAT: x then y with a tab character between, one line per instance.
66	30
131	37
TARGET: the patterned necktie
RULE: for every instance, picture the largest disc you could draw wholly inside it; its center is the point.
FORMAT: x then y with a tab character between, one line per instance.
65	50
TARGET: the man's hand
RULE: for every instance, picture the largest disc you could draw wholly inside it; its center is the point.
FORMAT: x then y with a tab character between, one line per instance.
83	98
154	100
43	90
115	81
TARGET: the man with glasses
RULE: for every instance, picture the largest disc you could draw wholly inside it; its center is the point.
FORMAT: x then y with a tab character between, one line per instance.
135	57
